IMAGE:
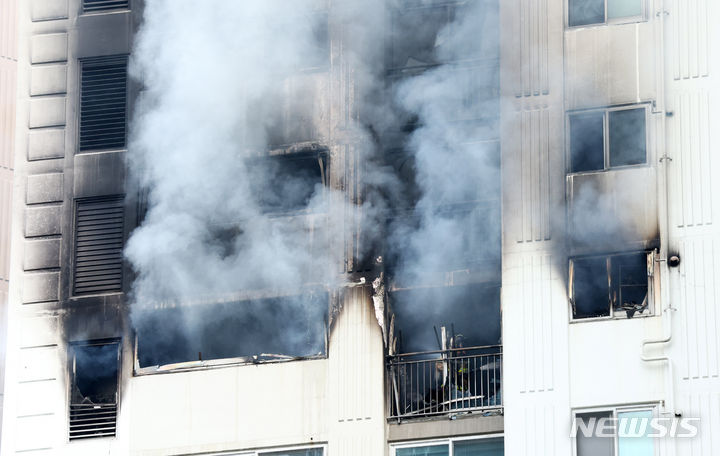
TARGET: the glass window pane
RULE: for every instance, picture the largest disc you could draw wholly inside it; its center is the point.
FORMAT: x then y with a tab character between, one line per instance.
434	450
624	8
590	442
584	12
590	288
304	452
485	447
586	142
627	137
633	433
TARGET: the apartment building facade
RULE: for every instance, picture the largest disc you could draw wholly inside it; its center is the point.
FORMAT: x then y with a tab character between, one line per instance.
586	289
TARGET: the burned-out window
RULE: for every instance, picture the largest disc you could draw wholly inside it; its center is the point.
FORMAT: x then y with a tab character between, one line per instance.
103	103
420	35
593	12
291	183
472	311
269	329
104	5
607	138
611	285
94	374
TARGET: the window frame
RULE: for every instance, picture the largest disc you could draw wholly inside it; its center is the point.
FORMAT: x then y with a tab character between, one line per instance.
615	410
265	451
643	17
653	276
606	137
71	367
440	441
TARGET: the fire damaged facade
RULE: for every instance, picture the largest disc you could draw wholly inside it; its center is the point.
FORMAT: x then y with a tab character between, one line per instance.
333	227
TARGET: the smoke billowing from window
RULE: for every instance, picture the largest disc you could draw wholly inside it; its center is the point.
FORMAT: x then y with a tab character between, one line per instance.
225	82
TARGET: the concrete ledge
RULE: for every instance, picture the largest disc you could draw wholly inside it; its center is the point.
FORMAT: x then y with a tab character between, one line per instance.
441	428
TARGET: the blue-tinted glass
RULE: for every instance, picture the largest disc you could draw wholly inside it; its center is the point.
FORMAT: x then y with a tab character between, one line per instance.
484	447
633	433
624	8
434	450
627	137
587	152
584	12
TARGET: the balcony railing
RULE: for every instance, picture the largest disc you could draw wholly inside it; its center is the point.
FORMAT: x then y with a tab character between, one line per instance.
445	382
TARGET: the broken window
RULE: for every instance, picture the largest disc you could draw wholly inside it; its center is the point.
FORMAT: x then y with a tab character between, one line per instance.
592	12
103	102
456	447
608	138
94	374
611	285
257	330
289	182
471	310
621	431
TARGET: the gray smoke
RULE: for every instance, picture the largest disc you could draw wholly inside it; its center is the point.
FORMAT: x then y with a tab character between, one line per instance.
215	76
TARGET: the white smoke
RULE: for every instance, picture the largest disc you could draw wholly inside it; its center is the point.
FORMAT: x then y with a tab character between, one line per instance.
212	74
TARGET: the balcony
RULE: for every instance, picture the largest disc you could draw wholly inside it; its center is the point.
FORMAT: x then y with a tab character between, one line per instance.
445	382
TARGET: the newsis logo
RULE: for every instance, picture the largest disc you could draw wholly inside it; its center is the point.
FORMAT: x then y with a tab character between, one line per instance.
635	427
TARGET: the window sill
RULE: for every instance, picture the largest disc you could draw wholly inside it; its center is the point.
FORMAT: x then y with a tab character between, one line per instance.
611	318
190	366
620	21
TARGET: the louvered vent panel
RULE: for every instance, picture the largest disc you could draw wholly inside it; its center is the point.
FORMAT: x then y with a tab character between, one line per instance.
100	5
103	103
92	420
99	245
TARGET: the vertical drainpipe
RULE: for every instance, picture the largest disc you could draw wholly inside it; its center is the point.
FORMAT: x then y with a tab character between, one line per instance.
667	278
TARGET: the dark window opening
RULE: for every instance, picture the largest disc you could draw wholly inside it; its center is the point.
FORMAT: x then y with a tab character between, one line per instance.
103	5
627	137
99	234
602	286
94	373
587	150
103	103
267	329
420	37
607	138
471	311
292	182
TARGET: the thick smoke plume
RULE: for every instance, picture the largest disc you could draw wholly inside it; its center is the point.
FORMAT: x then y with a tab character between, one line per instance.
212	105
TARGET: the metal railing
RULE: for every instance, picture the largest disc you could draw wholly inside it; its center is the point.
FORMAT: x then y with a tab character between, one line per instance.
444	382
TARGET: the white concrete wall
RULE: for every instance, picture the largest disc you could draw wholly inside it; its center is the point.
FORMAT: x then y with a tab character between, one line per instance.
8	76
